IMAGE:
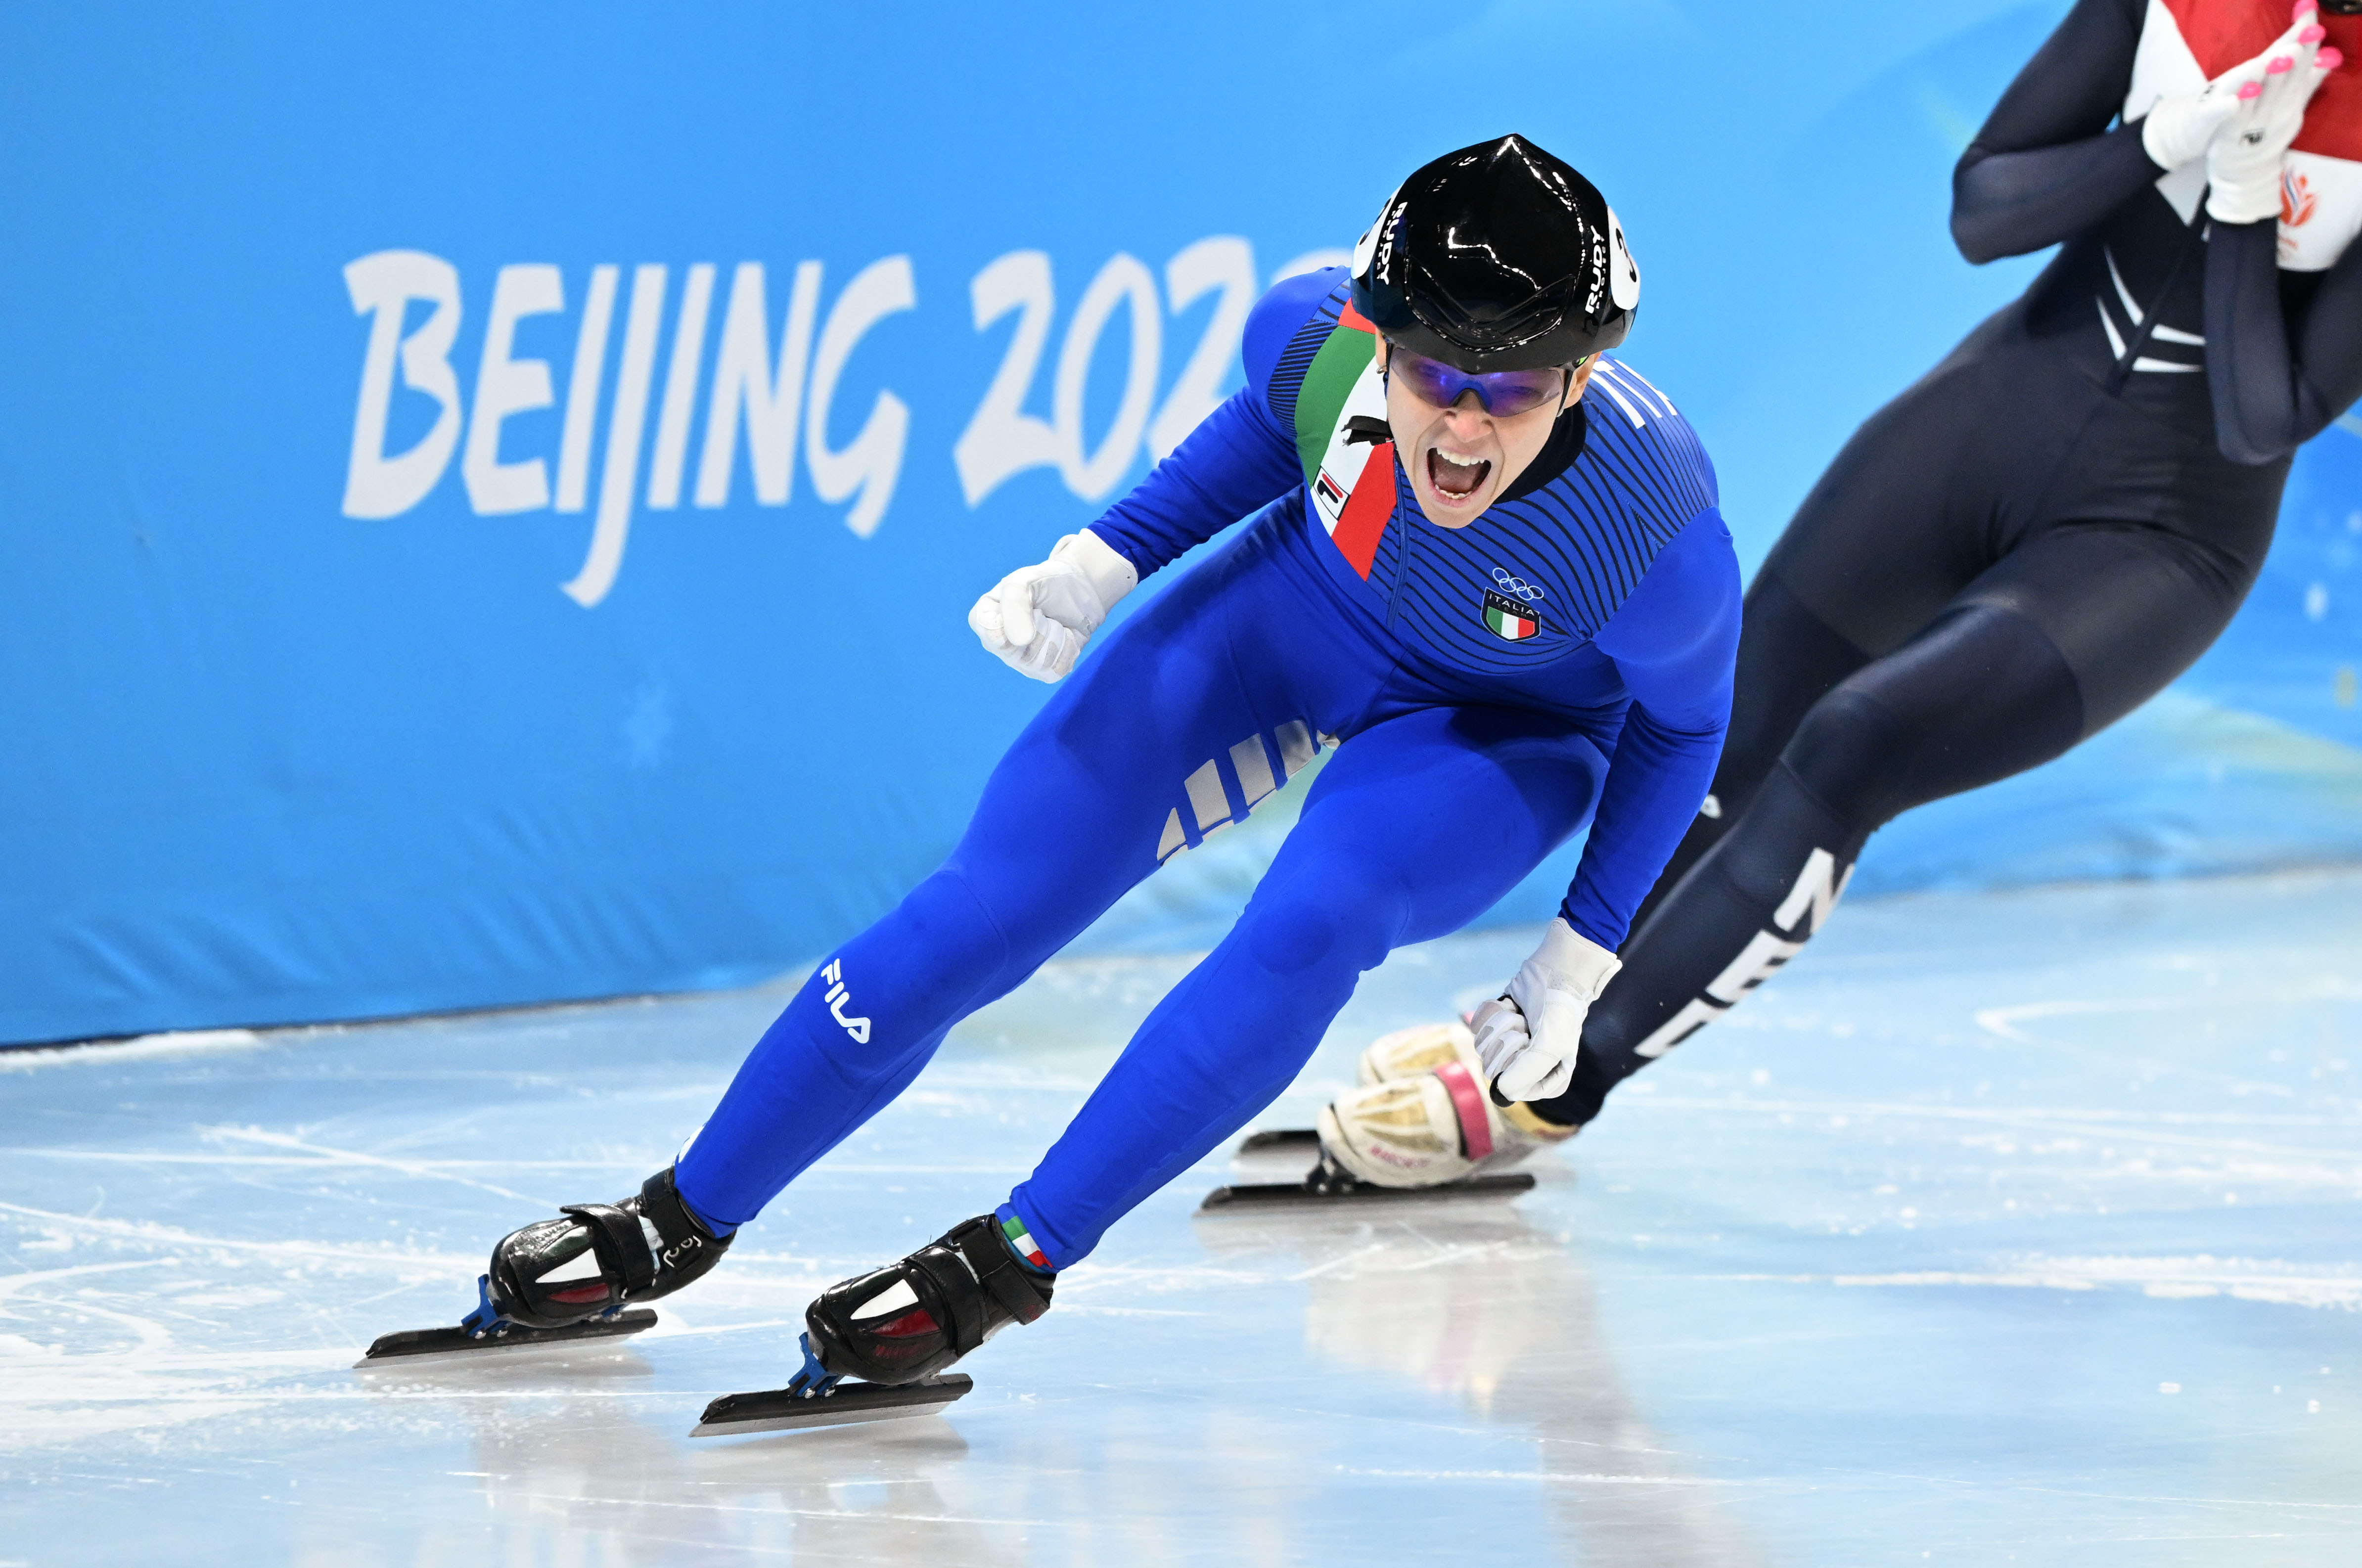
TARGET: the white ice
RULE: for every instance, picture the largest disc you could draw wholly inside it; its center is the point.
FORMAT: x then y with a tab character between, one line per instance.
1998	1228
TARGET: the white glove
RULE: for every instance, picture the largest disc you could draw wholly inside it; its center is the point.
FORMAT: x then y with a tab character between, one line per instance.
1528	1039
2180	127
2243	161
1038	617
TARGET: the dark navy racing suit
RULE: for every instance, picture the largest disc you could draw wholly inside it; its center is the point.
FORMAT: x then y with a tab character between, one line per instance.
2046	529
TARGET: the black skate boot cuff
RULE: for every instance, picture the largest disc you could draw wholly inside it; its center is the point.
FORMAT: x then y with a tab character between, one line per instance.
1023	1296
622	1245
684	1234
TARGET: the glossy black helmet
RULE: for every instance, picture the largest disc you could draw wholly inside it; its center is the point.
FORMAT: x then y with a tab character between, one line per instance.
1498	257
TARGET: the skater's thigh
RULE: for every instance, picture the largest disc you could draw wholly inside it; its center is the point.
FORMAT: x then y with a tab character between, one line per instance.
2129	607
1420	823
1179	723
1906	516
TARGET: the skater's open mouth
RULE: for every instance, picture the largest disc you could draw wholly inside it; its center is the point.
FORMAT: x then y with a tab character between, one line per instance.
1455	479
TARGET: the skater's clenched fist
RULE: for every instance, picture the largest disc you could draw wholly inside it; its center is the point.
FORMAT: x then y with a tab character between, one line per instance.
1528	1038
1037	618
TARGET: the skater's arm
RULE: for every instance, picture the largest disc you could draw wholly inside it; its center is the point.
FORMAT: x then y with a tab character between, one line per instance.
1237	461
1675	642
2046	164
2276	388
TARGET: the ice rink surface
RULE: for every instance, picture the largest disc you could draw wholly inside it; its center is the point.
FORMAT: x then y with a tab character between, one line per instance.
2017	1226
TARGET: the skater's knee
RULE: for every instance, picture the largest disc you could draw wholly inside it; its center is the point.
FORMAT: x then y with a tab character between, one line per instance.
1342	920
1853	755
898	983
947	928
1981	695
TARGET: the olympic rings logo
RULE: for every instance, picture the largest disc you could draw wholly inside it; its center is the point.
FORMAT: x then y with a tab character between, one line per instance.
1518	585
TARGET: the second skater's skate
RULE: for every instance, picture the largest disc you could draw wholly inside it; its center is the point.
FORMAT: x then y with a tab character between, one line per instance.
1422	1124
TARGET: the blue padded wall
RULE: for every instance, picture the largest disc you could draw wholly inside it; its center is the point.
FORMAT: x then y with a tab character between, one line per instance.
389	624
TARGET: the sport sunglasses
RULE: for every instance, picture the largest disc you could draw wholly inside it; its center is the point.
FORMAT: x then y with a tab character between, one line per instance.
1504	393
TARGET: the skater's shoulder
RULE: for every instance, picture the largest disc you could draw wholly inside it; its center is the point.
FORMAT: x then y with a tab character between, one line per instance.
1291	321
1629	411
1639	455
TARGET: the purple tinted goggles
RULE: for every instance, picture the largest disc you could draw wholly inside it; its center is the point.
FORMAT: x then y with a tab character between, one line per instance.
1505	393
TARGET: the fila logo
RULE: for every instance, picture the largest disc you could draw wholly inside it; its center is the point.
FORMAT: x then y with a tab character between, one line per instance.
1805	909
837	996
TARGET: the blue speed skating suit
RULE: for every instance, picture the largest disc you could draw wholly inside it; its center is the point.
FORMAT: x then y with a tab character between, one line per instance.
1563	660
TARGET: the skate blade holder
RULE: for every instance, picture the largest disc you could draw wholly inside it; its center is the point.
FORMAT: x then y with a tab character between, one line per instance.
1321	1191
735	1415
415	1347
1275	1140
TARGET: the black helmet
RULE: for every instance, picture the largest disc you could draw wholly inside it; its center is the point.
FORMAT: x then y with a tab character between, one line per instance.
1498	257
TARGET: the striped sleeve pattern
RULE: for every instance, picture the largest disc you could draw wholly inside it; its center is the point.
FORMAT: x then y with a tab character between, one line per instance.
1287	373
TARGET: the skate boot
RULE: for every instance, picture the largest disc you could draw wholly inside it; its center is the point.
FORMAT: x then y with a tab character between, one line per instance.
1425	1126
597	1256
910	1320
1421	1048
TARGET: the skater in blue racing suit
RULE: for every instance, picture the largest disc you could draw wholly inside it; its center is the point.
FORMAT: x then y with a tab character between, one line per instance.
1482	558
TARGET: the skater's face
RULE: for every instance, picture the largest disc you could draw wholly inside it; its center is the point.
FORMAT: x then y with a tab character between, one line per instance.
1461	457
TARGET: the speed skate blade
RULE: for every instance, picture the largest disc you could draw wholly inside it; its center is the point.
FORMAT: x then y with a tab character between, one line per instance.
1314	1195
414	1346
1278	1137
780	1411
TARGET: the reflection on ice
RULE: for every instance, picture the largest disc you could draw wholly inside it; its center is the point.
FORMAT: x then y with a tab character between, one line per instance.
2012	1225
1483	1304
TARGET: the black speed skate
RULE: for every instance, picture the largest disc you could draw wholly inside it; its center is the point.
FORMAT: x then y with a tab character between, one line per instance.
876	1345
573	1278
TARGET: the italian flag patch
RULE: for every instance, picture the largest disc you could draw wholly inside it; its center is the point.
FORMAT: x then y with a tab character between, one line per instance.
1507	619
1022	1240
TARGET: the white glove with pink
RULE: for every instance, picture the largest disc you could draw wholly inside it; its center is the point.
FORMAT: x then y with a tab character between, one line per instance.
2243	161
1038	618
1528	1039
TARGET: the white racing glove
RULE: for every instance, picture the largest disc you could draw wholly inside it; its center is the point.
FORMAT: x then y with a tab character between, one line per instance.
1528	1039
2243	160
1038	617
2180	127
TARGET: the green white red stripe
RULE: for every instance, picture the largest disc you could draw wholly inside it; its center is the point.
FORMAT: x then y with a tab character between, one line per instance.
1021	1241
1351	478
1517	628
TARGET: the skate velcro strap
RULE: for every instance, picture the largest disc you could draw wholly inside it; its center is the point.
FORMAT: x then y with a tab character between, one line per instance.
661	1202
1468	1101
962	1318
980	1244
622	1246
